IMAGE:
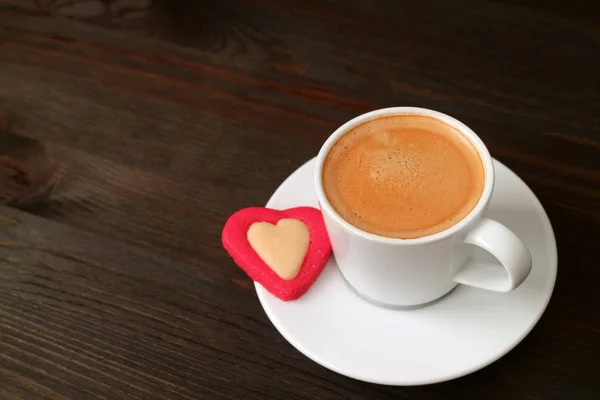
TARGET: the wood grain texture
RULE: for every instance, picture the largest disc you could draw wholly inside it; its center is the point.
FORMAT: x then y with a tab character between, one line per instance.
131	132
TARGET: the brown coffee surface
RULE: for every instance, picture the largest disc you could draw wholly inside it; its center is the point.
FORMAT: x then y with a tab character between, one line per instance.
403	176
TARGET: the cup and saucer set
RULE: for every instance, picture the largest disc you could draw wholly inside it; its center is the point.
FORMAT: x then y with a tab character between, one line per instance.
423	310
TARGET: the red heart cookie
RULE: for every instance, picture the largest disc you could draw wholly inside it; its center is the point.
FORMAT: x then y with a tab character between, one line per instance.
283	250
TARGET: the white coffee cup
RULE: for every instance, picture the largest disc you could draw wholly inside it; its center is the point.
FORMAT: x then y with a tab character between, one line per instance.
409	272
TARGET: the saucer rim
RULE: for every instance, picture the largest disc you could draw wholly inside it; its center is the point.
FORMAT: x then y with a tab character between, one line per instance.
552	262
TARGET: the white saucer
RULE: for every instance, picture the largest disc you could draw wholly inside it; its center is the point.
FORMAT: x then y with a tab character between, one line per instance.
463	332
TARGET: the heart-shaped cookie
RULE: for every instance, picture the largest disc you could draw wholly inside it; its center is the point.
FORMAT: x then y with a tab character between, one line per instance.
283	250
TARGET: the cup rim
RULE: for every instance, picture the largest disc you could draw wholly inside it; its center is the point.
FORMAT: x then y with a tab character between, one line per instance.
393	111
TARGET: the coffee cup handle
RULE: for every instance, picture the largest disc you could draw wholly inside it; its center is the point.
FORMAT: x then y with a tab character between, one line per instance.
503	244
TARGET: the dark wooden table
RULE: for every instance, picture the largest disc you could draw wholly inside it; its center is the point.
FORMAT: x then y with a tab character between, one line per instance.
131	132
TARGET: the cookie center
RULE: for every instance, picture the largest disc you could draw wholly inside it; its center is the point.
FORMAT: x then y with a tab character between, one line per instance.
282	246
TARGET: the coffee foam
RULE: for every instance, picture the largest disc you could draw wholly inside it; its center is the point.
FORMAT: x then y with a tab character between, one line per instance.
403	176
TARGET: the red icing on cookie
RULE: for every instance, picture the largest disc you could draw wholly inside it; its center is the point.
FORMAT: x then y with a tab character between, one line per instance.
236	243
